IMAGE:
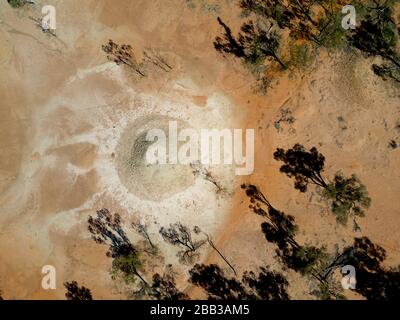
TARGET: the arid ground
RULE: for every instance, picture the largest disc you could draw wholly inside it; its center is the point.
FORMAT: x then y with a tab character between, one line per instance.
69	116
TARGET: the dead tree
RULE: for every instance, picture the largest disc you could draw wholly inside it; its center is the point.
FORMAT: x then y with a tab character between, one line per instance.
43	27
106	229
201	171
152	56
197	230
122	54
179	235
141	229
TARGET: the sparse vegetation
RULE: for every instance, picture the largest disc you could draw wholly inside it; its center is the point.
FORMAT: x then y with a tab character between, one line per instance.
276	37
197	230
127	263
123	55
106	228
74	292
285	117
18	3
164	288
280	229
299	55
377	35
141	229
302	165
267	285
311	25
348	196
374	281
201	171
180	235
256	44
152	56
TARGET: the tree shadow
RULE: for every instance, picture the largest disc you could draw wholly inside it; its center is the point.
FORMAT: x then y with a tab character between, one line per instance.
267	285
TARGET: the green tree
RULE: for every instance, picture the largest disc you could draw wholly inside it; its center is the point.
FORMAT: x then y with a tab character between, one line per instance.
348	196
18	3
128	266
280	229
299	17
377	35
106	228
304	259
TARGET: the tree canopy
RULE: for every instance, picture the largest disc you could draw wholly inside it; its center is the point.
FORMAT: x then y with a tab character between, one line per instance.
304	166
312	25
348	196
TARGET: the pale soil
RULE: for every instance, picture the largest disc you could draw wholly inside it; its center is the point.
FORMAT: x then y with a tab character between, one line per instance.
66	111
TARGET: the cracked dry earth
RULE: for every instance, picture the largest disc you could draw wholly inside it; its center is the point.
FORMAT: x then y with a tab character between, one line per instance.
71	142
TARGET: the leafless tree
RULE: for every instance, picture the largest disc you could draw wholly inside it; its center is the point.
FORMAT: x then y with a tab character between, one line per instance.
179	235
200	171
122	54
152	56
43	27
106	229
197	230
141	229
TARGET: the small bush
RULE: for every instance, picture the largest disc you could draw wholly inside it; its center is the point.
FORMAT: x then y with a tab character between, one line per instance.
127	267
300	55
348	196
17	3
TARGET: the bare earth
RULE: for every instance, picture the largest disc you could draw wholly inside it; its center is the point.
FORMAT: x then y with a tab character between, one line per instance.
67	115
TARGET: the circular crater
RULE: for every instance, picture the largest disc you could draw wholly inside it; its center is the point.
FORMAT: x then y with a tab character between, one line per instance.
154	182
